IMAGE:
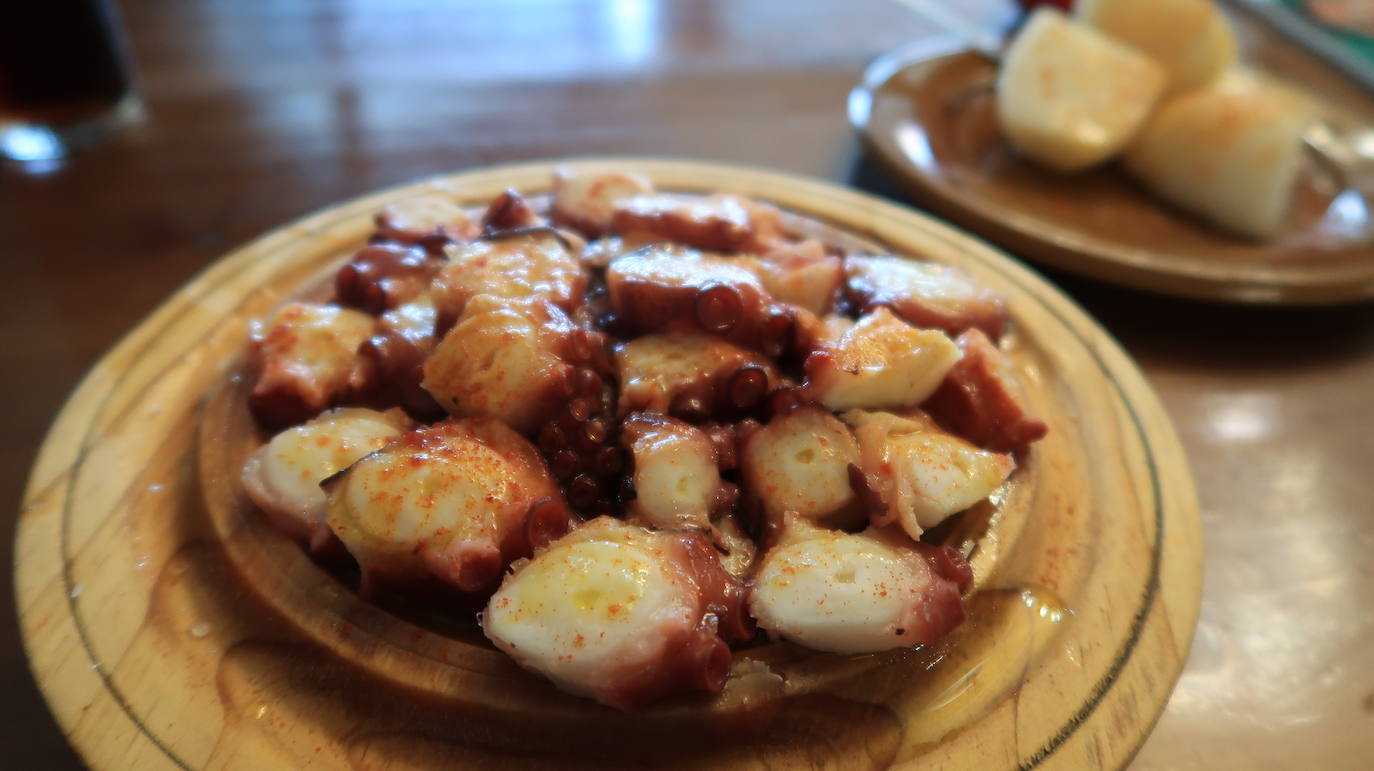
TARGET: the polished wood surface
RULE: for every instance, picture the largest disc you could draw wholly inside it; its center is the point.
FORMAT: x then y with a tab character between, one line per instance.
261	112
1087	569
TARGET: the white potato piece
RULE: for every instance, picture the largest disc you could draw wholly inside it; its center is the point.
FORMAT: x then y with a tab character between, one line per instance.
1190	39
799	463
923	473
283	476
587	200
1229	153
879	362
851	593
1069	96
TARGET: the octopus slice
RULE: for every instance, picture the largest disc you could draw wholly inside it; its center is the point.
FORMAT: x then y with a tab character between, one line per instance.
424	218
394	359
916	474
283	476
691	376
926	294
457	501
878	362
664	288
718	223
621	614
981	399
676	473
306	358
384	276
736	550
510	211
801	274
855	593
586	201
516	361
520	264
799	462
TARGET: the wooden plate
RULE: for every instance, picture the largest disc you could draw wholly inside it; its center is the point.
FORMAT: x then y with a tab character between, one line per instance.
926	112
170	627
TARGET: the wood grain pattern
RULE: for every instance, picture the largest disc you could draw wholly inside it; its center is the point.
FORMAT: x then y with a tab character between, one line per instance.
169	633
927	112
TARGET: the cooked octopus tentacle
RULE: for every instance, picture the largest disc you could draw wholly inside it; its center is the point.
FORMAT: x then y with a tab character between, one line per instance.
801	274
664	288
384	276
799	462
516	361
853	593
919	474
431	217
394	360
283	476
517	265
453	501
509	211
692	376
676	473
306	358
587	201
653	619
981	399
926	294
878	362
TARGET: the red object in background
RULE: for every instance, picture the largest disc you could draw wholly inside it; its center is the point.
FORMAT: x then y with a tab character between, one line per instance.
1030	5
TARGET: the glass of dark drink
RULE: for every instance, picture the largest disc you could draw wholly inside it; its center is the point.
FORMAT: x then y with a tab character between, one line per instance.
64	79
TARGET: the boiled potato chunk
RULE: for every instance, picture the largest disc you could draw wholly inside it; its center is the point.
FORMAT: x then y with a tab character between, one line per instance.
1190	39
1069	97
1229	153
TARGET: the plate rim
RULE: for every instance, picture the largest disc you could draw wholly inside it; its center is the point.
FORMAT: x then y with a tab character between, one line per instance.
1158	438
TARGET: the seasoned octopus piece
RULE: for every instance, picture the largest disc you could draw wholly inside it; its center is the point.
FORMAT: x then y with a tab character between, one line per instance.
283	476
856	593
516	361
799	462
510	211
621	614
665	288
916	475
735	549
801	274
425	218
926	294
587	200
394	359
384	276
676	473
307	360
457	501
691	376
516	265
981	399
718	223
878	362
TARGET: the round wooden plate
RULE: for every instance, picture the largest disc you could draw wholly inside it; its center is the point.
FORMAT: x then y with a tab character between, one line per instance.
170	627
926	112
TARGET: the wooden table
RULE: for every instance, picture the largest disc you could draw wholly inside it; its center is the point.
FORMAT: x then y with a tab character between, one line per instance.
261	113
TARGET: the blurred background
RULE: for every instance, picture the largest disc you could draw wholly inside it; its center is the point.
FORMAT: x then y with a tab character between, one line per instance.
244	114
